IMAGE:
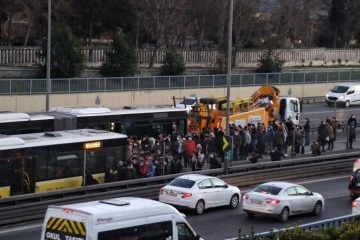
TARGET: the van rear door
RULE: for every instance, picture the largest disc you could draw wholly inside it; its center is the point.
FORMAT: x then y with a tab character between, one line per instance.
58	227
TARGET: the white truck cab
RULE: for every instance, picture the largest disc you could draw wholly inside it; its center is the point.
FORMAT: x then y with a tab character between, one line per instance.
344	94
126	218
187	103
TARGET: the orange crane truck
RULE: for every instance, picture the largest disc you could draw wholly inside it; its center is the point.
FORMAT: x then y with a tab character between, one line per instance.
264	106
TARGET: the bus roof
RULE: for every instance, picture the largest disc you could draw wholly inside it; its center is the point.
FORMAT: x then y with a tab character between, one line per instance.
56	138
19	117
93	111
119	208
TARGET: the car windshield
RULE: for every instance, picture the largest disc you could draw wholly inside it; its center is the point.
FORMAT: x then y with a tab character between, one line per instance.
268	189
340	89
188	101
182	182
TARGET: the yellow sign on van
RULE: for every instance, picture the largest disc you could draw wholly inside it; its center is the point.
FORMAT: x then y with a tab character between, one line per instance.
59	229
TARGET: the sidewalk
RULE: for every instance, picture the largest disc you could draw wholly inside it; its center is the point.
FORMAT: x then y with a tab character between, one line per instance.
339	146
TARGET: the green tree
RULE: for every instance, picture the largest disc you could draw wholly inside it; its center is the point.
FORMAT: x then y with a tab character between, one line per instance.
121	60
337	17
270	62
173	64
66	59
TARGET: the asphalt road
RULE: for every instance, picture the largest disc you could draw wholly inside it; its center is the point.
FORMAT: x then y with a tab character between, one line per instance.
222	223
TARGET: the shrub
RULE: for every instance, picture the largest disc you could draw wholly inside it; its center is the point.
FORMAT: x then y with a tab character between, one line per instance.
270	62
66	60
173	64
120	61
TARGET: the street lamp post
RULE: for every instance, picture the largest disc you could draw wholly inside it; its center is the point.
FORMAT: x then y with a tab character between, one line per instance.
48	81
229	79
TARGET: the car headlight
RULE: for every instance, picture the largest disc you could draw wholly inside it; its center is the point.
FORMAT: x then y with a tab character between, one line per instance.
327	96
342	96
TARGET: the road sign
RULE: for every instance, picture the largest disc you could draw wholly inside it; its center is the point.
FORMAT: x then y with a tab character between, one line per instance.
225	143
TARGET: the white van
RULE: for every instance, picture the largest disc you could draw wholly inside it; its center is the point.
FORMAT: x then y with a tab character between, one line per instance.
126	218
344	95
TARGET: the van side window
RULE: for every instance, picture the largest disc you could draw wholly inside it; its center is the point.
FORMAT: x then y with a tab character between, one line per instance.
184	232
151	231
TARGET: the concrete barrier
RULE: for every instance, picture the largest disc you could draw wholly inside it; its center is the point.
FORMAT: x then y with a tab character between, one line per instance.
311	93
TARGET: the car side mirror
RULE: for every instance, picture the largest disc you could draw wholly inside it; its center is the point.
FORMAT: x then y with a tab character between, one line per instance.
310	193
197	237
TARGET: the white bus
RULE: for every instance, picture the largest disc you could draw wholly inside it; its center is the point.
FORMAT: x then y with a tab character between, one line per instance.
41	162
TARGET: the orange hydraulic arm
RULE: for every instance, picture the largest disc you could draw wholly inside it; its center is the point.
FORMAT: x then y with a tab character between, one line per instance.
267	97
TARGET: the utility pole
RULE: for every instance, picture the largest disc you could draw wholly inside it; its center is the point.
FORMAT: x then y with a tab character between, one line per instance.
226	170
48	80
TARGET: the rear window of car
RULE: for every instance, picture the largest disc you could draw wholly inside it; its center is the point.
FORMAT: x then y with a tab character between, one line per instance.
269	189
182	182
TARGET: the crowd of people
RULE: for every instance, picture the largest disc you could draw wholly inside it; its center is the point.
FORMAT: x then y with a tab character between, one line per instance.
171	153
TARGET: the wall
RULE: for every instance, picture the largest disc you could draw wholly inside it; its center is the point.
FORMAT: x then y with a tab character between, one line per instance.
21	103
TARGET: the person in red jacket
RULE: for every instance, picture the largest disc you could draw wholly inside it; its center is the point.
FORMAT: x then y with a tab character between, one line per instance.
190	148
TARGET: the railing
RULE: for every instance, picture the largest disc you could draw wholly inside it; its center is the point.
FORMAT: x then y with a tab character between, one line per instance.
315	226
31	55
32	207
122	84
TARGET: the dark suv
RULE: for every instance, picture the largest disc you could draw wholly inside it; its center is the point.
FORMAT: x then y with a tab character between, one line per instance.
354	185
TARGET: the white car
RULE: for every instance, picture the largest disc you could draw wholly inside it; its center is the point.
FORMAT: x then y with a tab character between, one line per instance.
356	206
199	192
282	199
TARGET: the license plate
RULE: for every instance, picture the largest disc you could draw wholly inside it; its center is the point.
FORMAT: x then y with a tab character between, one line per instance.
171	194
256	201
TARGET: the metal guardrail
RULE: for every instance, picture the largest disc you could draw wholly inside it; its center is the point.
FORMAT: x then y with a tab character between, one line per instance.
32	207
314	226
123	84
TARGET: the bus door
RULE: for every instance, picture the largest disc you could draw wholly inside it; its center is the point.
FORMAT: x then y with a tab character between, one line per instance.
22	178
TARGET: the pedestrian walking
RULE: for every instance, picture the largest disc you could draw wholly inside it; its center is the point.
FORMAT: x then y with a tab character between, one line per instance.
307	131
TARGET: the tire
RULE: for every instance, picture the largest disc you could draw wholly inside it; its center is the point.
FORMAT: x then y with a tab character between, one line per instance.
284	215
200	207
250	214
347	104
317	208
234	201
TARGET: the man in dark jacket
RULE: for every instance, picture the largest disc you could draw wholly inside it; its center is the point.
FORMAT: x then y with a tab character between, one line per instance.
322	134
307	131
276	155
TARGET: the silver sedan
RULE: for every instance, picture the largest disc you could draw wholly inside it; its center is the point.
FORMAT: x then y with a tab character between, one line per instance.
282	199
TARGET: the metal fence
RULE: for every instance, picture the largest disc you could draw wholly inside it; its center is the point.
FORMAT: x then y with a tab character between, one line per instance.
315	226
122	84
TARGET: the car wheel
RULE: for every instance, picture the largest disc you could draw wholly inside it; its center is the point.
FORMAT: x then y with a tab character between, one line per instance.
234	201
317	209
353	196
199	207
284	215
347	104
250	214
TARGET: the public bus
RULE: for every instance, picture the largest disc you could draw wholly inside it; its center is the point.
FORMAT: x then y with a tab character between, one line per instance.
42	162
12	123
150	121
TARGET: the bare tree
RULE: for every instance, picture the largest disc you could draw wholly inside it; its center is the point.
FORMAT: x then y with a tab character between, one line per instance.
163	20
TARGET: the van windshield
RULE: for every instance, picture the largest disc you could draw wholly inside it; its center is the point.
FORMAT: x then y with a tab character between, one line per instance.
340	89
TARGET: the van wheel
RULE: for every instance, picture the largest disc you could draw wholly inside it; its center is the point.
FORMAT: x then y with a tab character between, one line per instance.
199	207
347	104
